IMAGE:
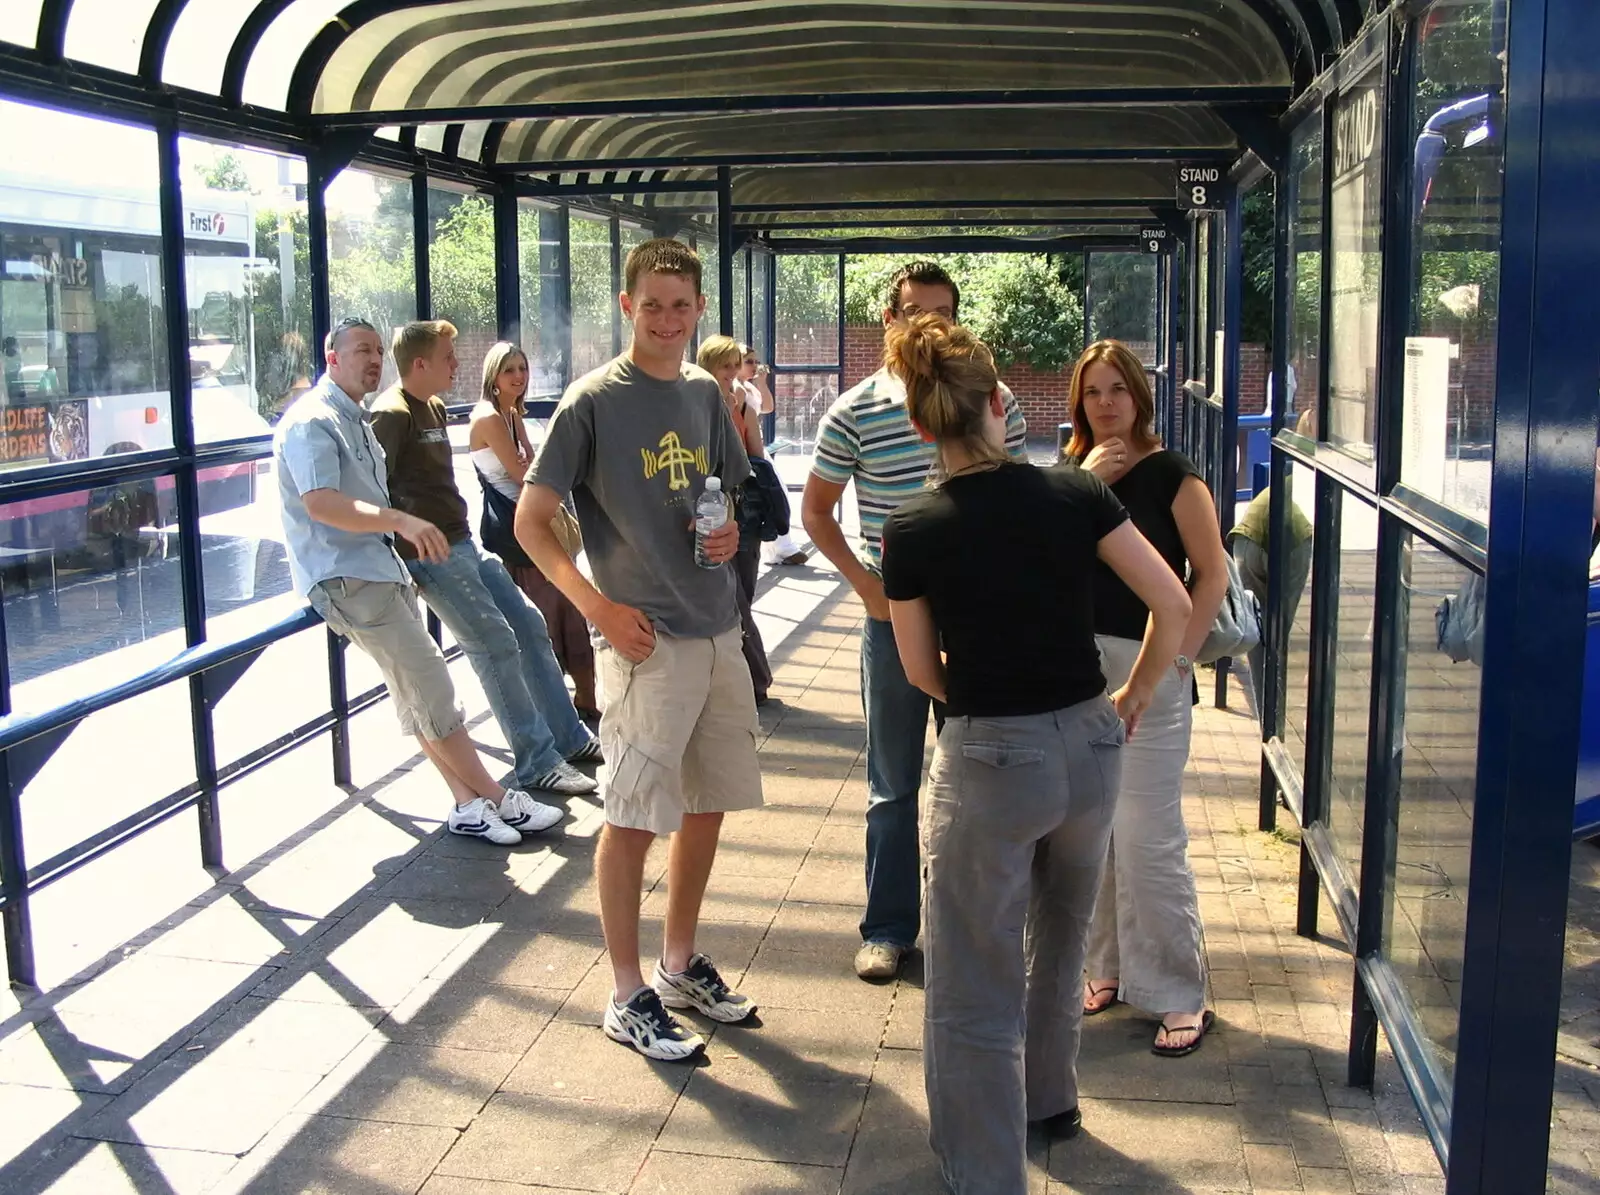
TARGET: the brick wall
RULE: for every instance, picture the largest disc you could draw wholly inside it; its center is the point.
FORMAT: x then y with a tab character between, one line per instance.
1042	395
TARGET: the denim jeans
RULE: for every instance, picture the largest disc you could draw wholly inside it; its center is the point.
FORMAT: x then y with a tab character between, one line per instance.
505	639
897	732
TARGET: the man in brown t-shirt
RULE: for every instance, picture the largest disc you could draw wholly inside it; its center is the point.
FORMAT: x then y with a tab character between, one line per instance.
500	630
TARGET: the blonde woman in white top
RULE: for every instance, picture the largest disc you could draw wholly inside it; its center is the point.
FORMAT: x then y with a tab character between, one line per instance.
501	452
751	382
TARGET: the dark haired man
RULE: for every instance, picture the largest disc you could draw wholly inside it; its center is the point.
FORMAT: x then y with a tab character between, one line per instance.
633	442
866	436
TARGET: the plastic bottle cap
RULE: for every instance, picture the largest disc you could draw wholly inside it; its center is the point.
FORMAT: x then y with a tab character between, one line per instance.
713	485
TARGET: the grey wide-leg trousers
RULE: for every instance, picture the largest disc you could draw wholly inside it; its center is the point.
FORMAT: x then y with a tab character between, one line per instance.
1018	815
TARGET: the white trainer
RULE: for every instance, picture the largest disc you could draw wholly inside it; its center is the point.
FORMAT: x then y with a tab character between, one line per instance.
566	781
521	812
480	819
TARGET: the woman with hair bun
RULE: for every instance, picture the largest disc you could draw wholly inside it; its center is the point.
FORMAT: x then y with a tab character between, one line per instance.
996	564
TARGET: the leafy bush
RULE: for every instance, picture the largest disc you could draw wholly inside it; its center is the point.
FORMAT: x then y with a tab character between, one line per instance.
1018	303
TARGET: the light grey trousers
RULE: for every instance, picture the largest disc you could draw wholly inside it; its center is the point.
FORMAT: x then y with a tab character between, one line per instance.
1018	815
1146	928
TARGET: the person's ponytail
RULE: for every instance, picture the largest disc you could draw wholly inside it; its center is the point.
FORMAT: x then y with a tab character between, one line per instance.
949	376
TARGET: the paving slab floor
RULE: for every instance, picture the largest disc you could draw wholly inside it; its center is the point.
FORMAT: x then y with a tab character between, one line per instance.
364	1005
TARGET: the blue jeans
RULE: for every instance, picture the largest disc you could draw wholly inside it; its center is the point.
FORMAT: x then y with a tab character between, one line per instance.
897	732
505	639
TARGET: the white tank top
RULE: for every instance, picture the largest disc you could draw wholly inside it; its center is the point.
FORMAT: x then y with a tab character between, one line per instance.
489	465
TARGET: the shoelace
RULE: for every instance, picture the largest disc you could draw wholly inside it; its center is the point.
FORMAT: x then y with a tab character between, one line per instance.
707	974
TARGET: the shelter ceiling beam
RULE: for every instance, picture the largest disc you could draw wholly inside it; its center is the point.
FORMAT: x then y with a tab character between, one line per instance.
888	157
1064	97
956	244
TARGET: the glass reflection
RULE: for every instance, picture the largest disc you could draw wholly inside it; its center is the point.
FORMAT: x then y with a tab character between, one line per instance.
1352	678
461	281
1450	359
1357	219
542	334
91	584
1122	301
592	300
371	255
1427	916
82	306
1305	285
808	310
247	271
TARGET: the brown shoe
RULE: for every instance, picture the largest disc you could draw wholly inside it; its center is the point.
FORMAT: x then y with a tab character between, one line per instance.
795	558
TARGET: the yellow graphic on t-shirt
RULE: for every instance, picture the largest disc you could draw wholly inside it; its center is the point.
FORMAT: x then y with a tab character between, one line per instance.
674	458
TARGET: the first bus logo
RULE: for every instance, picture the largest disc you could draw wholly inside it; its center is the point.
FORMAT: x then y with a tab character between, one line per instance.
208	224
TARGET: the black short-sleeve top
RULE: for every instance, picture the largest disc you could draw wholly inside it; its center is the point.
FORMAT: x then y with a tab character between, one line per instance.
1005	559
1147	491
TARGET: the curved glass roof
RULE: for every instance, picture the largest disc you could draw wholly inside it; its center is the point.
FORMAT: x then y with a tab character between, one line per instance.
1013	100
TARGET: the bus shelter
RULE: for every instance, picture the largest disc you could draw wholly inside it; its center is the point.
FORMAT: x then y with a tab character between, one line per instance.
194	191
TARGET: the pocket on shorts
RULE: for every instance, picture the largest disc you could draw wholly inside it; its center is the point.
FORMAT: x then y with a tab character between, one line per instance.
1003	756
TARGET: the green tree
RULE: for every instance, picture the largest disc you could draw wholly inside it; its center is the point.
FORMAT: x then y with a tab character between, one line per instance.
225	172
1026	307
461	259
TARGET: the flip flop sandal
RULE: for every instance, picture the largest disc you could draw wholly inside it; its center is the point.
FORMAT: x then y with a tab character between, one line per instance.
1206	1021
1096	992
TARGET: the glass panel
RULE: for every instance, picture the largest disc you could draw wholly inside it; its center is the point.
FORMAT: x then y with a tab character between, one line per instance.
431	136
285	688
539	249
461	279
197	50
82	309
90	581
741	296
1200	370
592	298
108	33
1302	483
247	269
632	234
1357	216
1352	677
1122	301
1450	361
710	285
123	733
808	309
760	308
1438	767
242	555
800	401
371	254
1305	284
19	23
266	81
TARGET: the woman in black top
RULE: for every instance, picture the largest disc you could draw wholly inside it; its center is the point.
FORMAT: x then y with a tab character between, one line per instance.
1145	944
997	562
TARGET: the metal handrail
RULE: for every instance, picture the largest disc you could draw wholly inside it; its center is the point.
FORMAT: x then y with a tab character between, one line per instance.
19	728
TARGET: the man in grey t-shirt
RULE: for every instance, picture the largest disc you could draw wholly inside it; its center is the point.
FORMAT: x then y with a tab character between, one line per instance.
633	442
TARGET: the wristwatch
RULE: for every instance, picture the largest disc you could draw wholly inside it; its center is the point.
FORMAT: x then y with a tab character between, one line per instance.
1183	664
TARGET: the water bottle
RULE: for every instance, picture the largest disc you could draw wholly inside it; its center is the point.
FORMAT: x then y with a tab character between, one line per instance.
710	513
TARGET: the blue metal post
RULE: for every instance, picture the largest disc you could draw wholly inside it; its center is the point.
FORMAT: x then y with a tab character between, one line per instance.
1540	497
1275	628
725	250
1227	465
616	285
421	234
507	265
185	481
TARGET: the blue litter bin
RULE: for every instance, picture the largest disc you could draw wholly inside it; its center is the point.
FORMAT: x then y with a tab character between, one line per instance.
1586	807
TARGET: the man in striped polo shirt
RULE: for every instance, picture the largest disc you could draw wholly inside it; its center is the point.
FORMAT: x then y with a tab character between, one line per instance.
867	437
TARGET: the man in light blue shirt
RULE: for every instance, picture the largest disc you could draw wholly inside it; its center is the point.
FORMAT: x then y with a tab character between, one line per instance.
339	532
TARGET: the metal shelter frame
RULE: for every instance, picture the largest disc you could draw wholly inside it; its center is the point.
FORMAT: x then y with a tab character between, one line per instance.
845	161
